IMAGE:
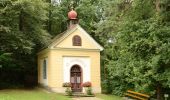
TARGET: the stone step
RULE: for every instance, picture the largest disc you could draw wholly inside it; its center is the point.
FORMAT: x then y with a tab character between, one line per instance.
80	94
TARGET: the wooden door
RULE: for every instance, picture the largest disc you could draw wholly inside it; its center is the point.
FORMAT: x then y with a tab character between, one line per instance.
75	79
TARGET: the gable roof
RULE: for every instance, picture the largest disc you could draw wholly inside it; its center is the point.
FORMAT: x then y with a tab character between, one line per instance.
59	38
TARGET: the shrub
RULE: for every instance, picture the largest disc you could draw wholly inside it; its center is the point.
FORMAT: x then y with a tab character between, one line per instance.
86	84
69	91
68	88
89	91
106	86
88	88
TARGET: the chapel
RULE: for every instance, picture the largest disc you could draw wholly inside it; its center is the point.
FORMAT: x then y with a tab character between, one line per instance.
72	56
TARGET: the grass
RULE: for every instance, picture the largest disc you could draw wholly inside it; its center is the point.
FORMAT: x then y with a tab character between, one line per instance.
108	97
34	94
39	94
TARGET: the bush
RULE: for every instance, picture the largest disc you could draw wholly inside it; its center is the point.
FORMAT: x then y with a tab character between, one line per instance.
88	88
69	91
106	87
89	91
68	88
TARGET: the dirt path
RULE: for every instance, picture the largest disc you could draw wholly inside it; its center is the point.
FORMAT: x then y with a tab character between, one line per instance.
86	98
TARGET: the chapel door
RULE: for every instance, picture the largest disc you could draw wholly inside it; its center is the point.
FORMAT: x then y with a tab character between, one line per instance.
75	78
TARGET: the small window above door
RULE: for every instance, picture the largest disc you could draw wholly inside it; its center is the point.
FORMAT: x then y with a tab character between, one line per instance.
76	40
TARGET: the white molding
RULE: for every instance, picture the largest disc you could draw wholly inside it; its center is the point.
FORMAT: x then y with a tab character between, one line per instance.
75	49
83	62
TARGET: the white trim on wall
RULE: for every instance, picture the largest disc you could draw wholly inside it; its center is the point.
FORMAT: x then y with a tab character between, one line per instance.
83	62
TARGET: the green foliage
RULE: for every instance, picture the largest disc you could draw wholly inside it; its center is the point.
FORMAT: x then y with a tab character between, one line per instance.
88	15
106	87
22	33
22	25
5	57
89	91
69	91
139	60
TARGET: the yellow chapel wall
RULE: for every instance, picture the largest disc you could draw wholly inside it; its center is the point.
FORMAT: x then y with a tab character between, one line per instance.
56	67
44	54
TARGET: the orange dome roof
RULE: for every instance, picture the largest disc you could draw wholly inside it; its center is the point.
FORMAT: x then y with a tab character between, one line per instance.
72	14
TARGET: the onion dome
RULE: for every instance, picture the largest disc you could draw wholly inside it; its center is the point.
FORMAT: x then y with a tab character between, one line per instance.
72	14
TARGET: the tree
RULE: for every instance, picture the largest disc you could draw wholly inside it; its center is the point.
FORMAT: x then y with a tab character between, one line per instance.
141	59
22	32
87	10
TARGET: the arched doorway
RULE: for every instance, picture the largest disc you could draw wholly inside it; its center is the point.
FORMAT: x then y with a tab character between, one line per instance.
76	78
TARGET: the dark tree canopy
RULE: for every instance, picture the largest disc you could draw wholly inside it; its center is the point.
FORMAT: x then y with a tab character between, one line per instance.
138	59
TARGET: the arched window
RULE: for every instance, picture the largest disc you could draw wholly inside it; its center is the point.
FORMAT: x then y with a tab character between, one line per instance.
76	40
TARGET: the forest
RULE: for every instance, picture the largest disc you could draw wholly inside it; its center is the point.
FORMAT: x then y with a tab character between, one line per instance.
137	56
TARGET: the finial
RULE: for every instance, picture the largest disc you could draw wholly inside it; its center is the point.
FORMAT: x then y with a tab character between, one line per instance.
72	14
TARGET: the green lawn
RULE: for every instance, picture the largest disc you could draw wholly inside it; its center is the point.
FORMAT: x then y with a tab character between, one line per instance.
35	94
39	94
108	97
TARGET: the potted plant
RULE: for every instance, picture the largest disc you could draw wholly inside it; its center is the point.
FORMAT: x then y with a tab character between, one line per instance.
88	89
68	90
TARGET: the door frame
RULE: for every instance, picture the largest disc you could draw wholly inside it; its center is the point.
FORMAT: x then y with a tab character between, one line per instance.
81	77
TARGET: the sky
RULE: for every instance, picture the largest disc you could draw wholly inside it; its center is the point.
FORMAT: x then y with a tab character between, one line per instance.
55	1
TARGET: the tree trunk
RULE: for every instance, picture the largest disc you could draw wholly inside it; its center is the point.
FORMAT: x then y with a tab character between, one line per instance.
157	4
159	92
